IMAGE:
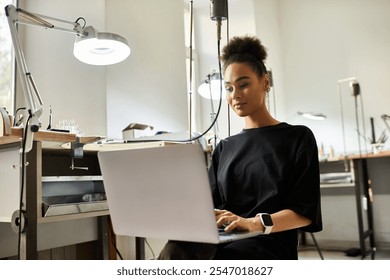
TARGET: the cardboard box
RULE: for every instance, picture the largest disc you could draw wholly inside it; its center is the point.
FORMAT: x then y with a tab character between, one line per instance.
129	132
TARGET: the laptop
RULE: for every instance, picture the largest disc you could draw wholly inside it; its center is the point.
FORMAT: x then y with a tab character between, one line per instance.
163	193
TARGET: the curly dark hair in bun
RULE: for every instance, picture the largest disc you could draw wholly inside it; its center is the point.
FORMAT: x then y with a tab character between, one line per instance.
246	49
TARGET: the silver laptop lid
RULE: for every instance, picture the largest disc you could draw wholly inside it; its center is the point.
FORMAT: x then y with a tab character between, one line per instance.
161	193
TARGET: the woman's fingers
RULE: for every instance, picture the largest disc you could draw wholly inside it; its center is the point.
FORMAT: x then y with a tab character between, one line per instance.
233	222
226	219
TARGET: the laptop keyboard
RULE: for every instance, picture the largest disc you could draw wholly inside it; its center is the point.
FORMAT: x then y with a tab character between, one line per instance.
222	232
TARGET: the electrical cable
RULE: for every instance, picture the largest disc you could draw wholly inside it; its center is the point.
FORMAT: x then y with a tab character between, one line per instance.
191	139
23	165
150	248
83	19
16	115
219	105
113	241
220	92
228	39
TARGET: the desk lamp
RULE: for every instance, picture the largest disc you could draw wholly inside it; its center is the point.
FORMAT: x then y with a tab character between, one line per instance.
212	89
312	115
363	190
355	92
91	47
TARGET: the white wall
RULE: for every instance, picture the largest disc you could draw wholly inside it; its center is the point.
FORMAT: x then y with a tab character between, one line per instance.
150	86
76	91
268	30
324	41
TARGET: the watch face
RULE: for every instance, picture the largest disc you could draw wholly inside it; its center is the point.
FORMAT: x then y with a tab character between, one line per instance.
267	220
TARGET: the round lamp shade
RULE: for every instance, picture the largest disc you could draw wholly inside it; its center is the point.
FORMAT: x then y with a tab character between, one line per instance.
100	48
211	89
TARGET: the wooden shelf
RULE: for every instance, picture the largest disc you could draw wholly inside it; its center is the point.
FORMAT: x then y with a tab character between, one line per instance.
49	139
45	135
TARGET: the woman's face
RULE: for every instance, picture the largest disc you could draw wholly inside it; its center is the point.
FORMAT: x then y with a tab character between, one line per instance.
245	90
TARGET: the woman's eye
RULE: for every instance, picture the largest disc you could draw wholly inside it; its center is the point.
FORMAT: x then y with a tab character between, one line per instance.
243	85
228	89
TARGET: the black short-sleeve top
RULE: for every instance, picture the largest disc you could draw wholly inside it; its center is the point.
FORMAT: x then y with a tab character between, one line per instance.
268	169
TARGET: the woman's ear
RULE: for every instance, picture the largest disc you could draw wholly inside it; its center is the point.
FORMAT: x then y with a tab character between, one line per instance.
267	83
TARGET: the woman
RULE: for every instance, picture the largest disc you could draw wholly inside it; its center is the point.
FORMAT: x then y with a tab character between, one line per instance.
266	178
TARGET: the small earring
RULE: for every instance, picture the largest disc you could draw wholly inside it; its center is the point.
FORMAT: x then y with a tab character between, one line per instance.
268	89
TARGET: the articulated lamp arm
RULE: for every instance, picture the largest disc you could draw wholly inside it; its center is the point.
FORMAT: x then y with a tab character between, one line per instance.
19	16
33	99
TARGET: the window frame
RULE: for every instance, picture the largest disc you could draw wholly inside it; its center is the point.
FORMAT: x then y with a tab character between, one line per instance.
9	98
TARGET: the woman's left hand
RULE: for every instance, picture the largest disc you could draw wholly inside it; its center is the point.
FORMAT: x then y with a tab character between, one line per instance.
234	222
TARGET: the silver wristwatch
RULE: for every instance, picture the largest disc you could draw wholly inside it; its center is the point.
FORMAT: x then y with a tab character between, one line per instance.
266	221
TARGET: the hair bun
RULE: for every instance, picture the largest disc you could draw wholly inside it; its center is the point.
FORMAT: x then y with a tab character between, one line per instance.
243	46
